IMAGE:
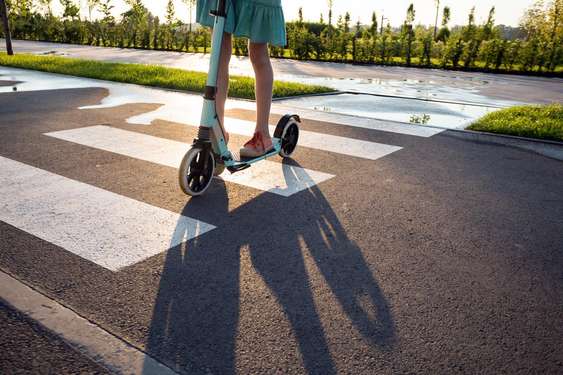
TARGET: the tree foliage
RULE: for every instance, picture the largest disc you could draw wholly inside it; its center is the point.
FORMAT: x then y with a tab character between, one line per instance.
535	46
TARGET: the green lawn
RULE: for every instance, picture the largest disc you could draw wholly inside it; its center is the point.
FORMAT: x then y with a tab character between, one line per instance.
149	75
533	121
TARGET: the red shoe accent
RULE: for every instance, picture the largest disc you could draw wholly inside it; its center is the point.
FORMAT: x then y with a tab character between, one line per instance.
255	146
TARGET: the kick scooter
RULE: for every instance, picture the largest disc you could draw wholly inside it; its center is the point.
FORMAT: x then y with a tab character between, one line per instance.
209	154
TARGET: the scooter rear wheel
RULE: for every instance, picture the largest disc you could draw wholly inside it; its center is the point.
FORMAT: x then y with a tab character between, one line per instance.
289	136
196	171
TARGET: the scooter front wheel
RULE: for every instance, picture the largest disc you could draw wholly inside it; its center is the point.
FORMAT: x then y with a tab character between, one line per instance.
196	171
288	132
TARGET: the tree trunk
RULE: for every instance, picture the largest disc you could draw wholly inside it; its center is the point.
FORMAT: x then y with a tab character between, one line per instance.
436	22
553	38
4	15
189	29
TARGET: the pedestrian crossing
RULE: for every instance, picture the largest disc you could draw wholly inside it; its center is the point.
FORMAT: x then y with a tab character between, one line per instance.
64	212
277	178
103	227
115	231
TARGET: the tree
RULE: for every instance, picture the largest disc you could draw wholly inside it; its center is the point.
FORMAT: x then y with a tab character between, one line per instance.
46	5
341	38
500	54
6	27
512	55
92	4
330	4
470	37
302	41
457	51
170	12
357	36
385	41
170	20
444	32
408	32
533	24
73	27
489	25
436	21
156	33
478	37
427	38
134	21
488	52
453	50
190	4
347	22
71	11
105	7
373	27
555	24
107	22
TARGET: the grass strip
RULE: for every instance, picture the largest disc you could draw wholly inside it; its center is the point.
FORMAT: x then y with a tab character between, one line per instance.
532	121
150	75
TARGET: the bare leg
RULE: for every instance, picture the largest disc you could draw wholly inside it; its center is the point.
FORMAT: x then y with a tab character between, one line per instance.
260	59
223	80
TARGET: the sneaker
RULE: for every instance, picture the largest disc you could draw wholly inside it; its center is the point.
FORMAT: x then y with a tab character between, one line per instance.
257	146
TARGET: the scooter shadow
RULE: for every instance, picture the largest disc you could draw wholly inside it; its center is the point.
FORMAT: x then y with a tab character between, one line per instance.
196	315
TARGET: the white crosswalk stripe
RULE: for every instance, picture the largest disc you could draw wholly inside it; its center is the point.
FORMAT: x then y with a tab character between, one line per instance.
106	228
319	141
364	122
348	120
277	178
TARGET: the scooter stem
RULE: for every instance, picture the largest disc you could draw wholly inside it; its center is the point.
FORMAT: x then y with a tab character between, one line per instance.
209	133
216	41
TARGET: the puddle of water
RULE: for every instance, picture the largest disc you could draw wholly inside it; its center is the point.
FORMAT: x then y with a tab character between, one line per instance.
456	91
186	108
396	109
428	90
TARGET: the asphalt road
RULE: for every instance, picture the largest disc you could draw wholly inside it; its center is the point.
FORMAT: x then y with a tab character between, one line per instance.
444	256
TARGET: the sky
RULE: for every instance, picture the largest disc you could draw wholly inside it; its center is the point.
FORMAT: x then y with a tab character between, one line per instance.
508	12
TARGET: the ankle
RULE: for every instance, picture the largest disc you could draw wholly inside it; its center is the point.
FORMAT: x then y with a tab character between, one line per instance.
265	139
263	134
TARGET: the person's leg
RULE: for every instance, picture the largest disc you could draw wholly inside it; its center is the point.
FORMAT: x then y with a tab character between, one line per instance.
260	59
223	80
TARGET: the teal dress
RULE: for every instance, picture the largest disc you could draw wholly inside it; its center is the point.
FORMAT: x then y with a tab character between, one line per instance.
261	21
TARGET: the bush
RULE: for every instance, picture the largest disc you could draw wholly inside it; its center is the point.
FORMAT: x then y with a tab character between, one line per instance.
535	121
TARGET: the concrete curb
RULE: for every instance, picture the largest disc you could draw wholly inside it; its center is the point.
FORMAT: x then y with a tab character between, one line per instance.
550	149
80	334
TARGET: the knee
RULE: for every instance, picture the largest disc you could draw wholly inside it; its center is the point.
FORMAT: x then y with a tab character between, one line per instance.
259	56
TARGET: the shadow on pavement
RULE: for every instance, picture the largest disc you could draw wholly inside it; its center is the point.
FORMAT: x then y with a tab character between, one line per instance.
196	315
